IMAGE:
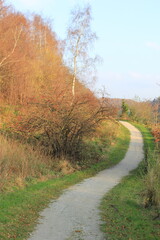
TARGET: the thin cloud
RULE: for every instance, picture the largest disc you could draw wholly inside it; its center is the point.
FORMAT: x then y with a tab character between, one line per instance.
153	45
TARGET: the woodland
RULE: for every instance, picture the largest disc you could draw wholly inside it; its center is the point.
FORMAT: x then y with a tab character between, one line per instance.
52	123
45	100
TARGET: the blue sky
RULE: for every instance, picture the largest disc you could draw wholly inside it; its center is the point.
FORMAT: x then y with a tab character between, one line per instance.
128	41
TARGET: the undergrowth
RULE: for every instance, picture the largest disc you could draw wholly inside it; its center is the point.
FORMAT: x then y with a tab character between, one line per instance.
22	164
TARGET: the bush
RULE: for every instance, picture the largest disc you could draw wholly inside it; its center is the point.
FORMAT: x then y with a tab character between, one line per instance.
60	124
156	134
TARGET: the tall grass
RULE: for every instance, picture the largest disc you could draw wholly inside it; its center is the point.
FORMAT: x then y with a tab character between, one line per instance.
151	192
20	163
150	169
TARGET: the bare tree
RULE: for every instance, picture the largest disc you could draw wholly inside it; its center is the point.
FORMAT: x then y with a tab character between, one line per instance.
79	40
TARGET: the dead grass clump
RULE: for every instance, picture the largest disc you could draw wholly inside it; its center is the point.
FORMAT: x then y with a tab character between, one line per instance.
65	167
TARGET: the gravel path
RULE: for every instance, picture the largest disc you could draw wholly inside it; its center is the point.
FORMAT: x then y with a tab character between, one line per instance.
75	215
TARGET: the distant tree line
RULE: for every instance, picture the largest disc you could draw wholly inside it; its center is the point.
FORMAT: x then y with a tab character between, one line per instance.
147	112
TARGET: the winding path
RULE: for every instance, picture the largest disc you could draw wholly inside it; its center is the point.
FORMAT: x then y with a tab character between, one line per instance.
75	215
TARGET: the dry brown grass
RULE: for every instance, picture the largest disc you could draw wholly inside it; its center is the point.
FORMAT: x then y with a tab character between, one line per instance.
19	162
65	167
107	129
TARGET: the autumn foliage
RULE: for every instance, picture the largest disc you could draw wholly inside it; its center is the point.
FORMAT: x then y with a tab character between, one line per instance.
30	57
37	85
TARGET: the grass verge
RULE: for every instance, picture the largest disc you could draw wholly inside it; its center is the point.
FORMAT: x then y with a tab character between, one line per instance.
122	208
147	136
19	210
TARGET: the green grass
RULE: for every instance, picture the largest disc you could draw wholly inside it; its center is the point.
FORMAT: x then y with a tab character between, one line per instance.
123	212
147	136
19	210
125	217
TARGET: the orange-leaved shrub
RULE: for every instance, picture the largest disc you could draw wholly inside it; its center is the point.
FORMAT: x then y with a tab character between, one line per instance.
59	123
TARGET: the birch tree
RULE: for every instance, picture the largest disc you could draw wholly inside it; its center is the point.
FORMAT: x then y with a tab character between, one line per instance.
17	33
79	40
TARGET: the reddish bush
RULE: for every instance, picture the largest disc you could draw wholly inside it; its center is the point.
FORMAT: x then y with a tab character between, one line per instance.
156	133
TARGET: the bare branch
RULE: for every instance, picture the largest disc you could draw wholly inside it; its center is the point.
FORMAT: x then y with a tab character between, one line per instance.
79	39
17	35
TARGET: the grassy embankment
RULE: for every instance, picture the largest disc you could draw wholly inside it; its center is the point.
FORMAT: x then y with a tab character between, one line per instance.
124	209
19	209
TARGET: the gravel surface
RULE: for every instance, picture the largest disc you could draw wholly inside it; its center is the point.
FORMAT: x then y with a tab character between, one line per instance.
75	215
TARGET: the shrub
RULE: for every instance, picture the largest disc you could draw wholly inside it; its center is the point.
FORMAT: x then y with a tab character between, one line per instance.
60	124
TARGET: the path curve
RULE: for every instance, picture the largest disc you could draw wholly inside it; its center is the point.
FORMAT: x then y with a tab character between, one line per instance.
75	215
